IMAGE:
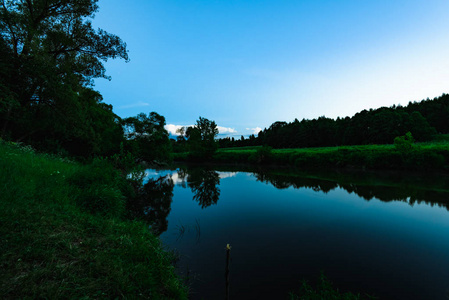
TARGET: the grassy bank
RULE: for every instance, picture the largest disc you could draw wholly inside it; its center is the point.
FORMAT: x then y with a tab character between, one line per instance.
63	234
432	156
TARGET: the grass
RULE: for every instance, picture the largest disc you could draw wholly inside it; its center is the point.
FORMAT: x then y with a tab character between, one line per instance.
63	234
430	156
324	290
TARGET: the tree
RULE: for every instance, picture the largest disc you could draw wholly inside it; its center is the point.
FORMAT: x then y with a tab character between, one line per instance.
181	131
147	136
99	134
420	127
52	54
201	138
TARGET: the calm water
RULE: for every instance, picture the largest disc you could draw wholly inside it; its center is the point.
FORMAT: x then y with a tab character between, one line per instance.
386	235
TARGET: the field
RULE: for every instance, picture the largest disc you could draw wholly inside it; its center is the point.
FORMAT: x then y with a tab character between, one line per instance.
430	156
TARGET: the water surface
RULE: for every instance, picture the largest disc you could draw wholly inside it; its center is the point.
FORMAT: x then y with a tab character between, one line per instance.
386	235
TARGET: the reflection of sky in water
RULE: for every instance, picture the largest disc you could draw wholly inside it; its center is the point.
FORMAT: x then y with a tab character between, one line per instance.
175	176
280	236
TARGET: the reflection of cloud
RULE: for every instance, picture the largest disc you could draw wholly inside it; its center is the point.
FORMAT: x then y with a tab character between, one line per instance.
136	104
227	174
178	180
182	180
155	174
145	176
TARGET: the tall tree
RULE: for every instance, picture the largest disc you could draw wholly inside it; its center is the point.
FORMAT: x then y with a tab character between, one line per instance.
147	137
52	54
201	137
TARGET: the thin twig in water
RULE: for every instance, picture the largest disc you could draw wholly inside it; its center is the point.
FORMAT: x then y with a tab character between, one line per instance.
181	229
198	230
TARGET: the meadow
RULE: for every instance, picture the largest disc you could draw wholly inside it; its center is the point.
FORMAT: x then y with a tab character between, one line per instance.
428	156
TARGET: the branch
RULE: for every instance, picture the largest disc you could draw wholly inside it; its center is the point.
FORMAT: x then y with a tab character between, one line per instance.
10	27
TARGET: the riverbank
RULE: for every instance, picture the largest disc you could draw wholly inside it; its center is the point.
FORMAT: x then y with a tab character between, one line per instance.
64	234
433	156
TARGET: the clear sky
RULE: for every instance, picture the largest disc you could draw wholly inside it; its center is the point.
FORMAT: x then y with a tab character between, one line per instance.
246	64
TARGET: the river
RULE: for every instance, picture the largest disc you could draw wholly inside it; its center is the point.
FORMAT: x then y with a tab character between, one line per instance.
383	234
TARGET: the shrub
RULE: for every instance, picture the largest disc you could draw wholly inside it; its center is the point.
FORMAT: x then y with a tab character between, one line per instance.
404	143
263	155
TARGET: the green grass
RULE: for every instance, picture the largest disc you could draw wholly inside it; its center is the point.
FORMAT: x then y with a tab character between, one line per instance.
55	243
430	156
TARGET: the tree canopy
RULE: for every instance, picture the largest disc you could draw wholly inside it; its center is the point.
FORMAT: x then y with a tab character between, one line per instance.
49	56
201	137
146	136
375	126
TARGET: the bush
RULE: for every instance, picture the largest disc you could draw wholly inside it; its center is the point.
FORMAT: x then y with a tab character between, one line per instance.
426	160
404	143
263	155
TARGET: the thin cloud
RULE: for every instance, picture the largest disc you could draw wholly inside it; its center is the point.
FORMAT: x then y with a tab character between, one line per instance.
136	104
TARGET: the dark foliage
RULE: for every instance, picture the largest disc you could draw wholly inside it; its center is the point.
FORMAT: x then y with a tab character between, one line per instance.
152	203
375	126
201	138
49	55
146	137
204	185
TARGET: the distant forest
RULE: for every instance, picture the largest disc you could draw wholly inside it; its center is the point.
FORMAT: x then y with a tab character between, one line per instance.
423	119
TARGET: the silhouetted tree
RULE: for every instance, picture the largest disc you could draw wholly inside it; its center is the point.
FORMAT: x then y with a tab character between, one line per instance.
201	138
49	55
374	126
147	137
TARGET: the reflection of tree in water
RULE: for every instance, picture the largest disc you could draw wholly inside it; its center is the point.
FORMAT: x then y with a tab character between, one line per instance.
285	181
406	192
153	203
182	175
276	181
204	185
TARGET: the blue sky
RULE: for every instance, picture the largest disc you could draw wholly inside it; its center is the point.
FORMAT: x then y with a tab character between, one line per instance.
246	64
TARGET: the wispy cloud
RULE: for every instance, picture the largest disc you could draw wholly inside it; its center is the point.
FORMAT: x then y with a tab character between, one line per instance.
255	130
135	104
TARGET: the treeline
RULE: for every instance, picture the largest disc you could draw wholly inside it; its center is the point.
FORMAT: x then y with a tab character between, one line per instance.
368	186
375	126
